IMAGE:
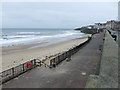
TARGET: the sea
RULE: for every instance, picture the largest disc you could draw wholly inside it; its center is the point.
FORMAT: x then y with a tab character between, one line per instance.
17	36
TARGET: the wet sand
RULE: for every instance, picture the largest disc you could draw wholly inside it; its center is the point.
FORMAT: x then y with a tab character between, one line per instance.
19	47
16	58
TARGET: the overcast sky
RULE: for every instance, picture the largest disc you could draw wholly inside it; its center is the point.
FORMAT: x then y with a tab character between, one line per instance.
56	14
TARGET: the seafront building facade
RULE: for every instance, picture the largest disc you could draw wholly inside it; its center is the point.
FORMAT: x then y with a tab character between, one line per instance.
114	25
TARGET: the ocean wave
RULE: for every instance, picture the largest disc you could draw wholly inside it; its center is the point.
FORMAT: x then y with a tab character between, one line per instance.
20	36
28	33
29	37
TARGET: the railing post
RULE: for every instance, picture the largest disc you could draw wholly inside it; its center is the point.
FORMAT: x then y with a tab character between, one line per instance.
23	67
13	71
34	62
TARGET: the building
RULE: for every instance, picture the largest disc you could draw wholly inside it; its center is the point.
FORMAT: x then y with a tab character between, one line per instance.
114	25
100	25
117	25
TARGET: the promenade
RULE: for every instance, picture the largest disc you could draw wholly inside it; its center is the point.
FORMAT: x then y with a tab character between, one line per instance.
108	76
72	74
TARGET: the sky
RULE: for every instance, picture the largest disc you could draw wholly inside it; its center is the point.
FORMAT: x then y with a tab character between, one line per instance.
59	0
56	14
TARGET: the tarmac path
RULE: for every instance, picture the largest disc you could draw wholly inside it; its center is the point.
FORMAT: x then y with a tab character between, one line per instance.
72	74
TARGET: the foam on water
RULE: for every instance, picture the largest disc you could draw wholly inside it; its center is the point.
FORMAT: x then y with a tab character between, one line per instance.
28	33
23	37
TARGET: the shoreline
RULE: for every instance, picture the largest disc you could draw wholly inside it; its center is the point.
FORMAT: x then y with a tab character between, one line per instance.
16	58
21	47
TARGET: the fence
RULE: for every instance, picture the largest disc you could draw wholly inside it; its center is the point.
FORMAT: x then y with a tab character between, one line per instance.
15	71
66	54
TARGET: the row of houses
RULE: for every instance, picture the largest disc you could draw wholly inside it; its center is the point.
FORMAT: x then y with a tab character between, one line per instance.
114	25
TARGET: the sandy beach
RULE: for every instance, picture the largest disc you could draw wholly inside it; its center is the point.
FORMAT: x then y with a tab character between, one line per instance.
13	59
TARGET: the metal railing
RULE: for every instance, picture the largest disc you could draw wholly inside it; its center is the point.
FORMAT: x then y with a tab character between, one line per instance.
16	71
66	54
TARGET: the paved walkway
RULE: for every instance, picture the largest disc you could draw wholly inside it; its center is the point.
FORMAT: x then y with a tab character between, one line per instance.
66	74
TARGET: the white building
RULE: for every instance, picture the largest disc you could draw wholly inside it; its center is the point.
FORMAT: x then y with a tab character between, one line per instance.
114	25
100	25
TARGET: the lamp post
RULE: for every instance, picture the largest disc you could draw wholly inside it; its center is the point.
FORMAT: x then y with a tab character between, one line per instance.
119	11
